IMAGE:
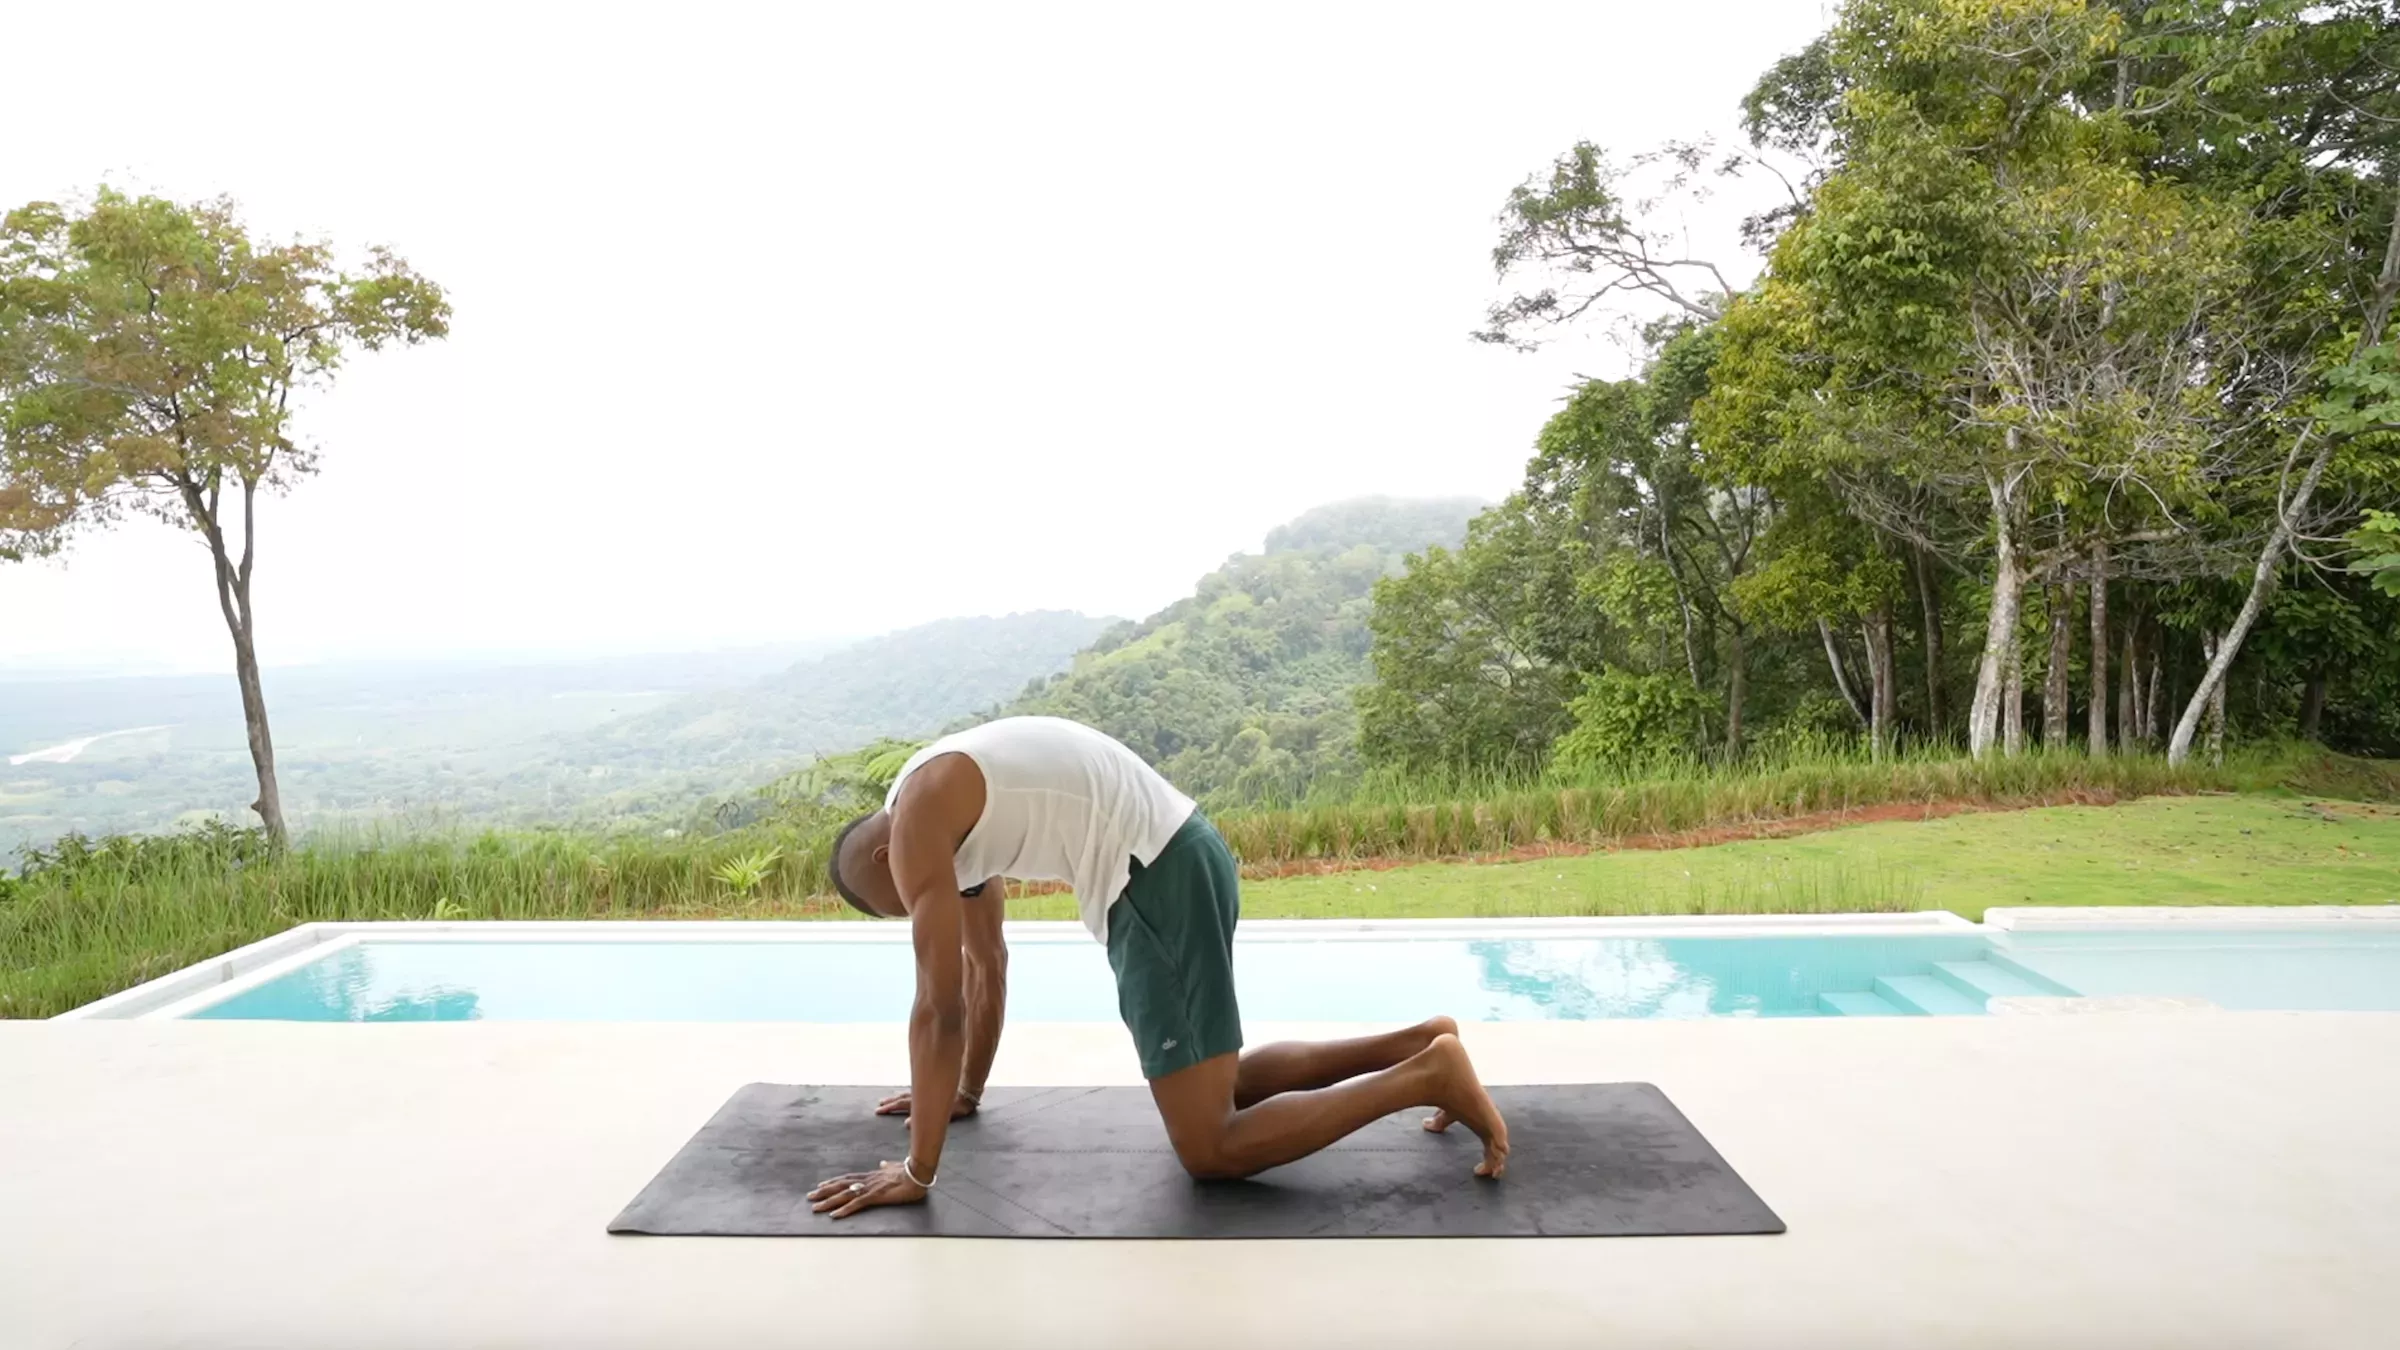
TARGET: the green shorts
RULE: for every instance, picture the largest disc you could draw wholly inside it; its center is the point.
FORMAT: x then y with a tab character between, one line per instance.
1170	941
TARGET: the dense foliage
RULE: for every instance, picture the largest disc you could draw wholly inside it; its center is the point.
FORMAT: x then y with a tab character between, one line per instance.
2070	366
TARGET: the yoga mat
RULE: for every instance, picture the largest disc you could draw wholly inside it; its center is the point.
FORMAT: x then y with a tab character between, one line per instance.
1586	1160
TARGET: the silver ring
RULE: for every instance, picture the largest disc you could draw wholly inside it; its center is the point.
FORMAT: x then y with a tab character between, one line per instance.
857	1186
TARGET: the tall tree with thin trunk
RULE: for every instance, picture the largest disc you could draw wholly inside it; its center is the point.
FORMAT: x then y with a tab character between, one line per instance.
149	356
2364	398
2099	616
2000	621
1929	608
2213	645
1823	568
1883	680
2149	702
1842	683
2062	652
2129	696
2012	737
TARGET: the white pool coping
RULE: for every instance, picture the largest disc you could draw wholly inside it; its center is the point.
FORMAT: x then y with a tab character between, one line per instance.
197	986
2183	918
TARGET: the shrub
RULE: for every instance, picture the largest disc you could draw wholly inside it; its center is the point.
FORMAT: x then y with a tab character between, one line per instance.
1627	722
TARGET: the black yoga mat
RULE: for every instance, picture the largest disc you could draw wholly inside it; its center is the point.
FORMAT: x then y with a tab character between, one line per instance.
1586	1160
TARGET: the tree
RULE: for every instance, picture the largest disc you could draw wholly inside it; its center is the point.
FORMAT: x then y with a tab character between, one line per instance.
1585	246
1621	466
2044	312
2363	399
1992	303
1479	651
2294	107
149	354
1826	569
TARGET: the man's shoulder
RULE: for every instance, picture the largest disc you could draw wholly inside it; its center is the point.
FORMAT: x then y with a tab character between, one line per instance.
938	781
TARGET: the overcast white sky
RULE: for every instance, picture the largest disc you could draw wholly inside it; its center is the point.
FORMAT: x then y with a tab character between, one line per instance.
781	321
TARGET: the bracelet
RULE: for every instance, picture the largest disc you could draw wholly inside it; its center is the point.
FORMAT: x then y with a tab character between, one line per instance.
908	1169
973	1098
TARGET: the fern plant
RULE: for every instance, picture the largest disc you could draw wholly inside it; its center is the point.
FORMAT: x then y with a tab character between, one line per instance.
744	874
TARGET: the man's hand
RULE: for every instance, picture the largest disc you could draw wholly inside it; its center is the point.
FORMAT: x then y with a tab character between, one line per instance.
961	1106
847	1195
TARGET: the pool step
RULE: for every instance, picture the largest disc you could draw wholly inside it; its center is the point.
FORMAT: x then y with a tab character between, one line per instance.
2042	984
1979	980
1925	994
1954	989
1858	1004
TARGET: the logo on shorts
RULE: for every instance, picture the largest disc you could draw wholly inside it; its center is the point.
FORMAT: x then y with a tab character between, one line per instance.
1167	1046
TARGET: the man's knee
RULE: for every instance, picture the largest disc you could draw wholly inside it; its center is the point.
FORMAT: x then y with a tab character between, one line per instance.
1209	1160
1207	1153
1197	1106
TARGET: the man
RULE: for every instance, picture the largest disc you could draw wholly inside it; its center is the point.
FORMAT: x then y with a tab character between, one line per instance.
1044	799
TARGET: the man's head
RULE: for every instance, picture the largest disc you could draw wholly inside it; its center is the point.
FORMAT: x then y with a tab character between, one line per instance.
861	866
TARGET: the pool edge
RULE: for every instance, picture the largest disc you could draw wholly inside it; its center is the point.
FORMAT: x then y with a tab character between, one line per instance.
205	983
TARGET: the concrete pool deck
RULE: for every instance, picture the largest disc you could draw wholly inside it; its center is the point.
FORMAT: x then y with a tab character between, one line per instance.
2175	1179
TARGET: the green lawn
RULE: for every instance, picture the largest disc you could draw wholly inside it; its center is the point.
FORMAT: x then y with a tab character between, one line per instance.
2213	850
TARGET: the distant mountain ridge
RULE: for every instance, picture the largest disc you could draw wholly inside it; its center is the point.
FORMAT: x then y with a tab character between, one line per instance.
639	738
909	683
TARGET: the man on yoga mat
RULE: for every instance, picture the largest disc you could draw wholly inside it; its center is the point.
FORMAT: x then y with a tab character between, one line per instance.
1044	799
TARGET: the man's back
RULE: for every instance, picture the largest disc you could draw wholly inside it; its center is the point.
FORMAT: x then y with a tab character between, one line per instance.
1062	802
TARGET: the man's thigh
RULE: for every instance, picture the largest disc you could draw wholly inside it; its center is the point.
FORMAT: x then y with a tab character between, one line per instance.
1196	1103
1170	942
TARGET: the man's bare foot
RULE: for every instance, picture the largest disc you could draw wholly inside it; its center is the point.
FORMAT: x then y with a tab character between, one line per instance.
1463	1101
1432	1027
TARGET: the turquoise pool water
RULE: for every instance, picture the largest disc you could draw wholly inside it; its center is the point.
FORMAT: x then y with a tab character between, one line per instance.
2298	970
1346	980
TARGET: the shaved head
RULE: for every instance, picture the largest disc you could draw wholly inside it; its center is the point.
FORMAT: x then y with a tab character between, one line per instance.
860	866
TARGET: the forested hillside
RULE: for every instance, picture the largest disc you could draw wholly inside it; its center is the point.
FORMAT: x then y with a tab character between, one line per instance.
1244	688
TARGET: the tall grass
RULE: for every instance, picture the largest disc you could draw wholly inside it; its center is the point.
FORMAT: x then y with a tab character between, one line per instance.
113	916
1861	887
1395	818
88	919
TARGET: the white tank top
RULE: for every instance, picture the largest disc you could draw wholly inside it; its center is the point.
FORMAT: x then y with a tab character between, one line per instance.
1061	802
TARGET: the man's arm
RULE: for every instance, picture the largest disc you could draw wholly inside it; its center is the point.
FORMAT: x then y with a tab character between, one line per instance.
937	807
934	813
987	986
987	999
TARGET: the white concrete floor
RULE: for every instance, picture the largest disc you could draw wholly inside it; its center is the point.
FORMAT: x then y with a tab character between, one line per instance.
2131	1180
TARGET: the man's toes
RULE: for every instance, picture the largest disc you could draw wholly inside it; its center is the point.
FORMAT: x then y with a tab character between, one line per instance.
1438	1121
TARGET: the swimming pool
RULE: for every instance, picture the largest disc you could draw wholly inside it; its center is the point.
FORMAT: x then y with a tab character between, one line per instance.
1511	970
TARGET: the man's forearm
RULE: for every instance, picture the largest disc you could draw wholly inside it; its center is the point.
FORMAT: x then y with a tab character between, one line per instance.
987	1007
936	1048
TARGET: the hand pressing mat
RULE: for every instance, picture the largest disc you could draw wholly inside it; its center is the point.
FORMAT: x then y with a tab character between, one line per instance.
1586	1160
